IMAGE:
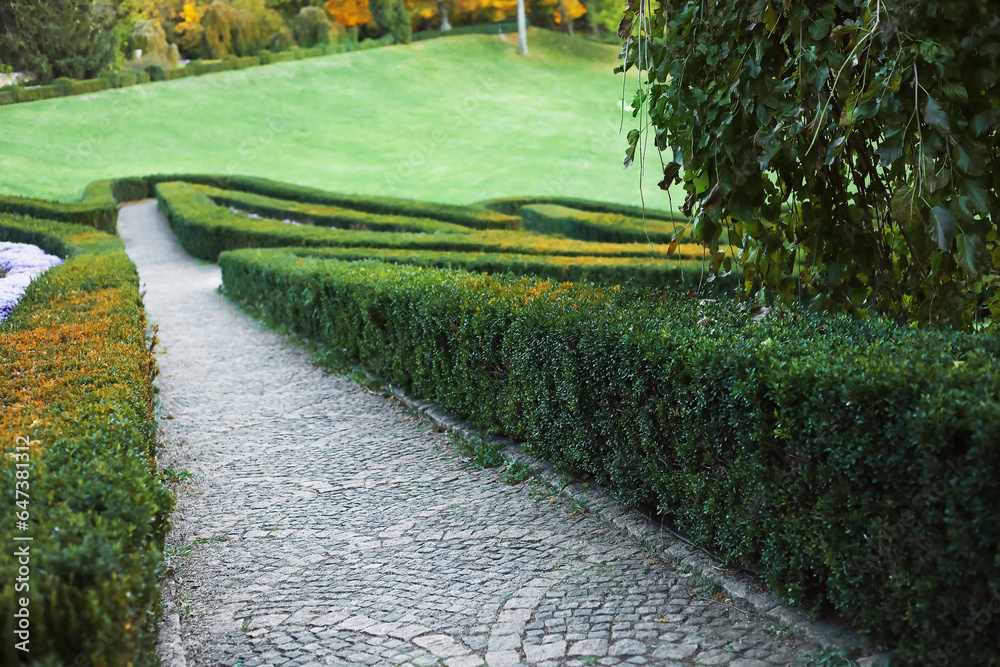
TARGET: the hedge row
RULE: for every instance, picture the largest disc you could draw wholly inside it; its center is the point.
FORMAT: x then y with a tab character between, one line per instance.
500	27
67	87
122	78
599	270
513	205
77	381
466	216
324	216
590	226
852	464
205	229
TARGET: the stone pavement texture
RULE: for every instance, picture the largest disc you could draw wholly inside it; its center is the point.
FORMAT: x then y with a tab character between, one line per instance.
326	525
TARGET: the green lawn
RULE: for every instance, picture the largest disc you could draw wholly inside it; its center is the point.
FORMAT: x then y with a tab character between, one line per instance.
453	120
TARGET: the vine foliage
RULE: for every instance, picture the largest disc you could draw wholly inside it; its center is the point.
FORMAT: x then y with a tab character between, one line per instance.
849	146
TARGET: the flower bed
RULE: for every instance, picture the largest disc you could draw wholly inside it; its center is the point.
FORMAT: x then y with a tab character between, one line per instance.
20	263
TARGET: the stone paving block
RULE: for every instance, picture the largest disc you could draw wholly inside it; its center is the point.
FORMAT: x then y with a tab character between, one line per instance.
595	647
540	652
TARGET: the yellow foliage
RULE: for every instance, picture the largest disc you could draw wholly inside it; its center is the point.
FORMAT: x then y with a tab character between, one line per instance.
349	12
190	14
574	10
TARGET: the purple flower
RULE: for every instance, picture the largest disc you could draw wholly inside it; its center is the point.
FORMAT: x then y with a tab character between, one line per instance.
20	263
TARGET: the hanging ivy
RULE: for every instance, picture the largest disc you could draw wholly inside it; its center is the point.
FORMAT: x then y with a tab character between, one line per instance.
850	145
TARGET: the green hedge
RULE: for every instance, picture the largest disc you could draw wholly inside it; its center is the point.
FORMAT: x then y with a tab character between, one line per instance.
467	216
589	226
599	270
506	27
852	464
77	380
98	208
324	216
512	206
205	229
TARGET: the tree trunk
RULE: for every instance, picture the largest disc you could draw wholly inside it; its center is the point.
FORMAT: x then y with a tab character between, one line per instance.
522	30
566	20
443	11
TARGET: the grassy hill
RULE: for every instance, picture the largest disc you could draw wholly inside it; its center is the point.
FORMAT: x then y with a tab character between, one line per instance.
453	120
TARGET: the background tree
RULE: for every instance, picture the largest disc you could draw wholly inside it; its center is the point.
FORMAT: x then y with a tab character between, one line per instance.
391	16
72	38
851	146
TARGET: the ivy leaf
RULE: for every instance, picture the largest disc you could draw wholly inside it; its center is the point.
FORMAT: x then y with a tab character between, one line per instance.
831	152
633	141
819	29
971	158
942	231
972	255
904	207
625	27
670	171
847	115
935	116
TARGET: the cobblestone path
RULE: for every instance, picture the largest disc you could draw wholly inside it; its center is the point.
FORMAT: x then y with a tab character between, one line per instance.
324	525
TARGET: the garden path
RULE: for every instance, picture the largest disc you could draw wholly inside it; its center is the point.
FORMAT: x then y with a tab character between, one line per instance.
324	525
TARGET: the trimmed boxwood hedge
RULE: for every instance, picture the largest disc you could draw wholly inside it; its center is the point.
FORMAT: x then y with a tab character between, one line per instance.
77	380
851	463
650	271
513	205
590	226
205	229
324	216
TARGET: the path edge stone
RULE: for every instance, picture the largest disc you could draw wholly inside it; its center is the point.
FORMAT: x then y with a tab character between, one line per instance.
745	590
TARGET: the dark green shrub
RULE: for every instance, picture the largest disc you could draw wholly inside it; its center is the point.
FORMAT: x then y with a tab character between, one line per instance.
650	271
64	85
851	464
312	26
156	73
392	18
512	206
282	40
75	351
588	226
71	39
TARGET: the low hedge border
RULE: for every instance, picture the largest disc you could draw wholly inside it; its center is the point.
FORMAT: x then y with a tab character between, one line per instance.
513	205
598	270
853	464
77	381
590	226
205	229
119	79
325	216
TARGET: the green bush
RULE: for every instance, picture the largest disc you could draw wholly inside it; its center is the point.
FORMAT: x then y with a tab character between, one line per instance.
460	215
512	206
8	95
392	18
282	40
312	26
77	382
852	464
156	73
651	271
587	226
98	208
324	216
36	93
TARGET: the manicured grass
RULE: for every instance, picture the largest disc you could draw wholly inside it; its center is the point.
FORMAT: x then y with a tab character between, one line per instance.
453	120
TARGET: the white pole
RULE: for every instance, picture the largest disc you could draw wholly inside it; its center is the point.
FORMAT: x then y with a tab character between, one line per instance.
522	31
